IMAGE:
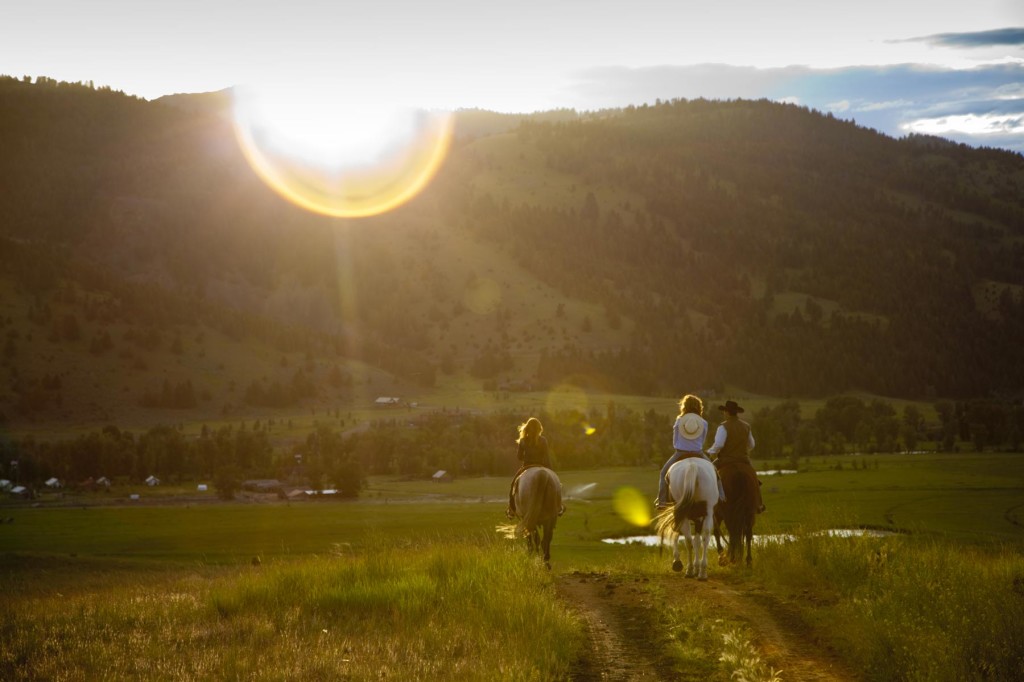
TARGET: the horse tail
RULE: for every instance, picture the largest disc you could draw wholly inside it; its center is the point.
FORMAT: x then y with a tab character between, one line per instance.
686	495
665	523
542	500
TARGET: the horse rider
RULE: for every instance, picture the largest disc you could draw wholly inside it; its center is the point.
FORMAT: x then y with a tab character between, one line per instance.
688	434
532	450
733	443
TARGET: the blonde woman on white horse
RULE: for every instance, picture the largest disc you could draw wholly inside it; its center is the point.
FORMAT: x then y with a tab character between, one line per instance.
688	435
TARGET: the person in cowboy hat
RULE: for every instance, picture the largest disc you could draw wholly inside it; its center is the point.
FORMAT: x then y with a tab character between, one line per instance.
734	441
688	434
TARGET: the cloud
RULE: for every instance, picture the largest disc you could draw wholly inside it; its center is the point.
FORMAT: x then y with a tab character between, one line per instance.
1000	36
881	106
970	124
892	99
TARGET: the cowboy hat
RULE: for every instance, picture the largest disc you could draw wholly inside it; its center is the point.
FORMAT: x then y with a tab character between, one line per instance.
731	407
691	424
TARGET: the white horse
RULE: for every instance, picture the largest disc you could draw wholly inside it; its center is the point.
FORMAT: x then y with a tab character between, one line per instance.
693	483
538	505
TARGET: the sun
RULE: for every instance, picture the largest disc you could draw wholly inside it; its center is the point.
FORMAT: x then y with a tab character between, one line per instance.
337	153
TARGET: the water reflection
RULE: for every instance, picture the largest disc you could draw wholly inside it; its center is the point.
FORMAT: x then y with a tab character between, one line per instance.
654	540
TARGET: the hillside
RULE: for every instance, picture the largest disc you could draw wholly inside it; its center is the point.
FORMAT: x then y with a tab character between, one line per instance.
651	250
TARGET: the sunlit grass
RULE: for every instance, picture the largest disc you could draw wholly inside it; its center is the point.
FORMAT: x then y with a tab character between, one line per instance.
742	658
152	592
418	611
907	607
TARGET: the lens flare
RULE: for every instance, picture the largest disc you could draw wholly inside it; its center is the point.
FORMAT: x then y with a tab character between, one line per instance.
346	157
567	398
629	503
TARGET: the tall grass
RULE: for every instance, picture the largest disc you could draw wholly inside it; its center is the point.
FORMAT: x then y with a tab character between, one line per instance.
459	610
908	608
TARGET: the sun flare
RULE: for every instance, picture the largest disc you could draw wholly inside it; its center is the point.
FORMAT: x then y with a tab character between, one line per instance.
336	154
632	506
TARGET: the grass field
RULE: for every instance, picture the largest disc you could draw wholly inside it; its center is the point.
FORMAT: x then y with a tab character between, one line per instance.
414	572
976	498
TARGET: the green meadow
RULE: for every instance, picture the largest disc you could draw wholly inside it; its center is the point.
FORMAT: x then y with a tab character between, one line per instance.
414	581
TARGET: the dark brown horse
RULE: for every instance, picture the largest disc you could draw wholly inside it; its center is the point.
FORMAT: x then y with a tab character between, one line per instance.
738	511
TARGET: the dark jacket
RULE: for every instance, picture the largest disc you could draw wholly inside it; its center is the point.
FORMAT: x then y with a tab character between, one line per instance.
534	452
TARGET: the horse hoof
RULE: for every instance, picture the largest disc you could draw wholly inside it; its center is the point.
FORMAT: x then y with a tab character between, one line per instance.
691	574
547	565
677	566
702	578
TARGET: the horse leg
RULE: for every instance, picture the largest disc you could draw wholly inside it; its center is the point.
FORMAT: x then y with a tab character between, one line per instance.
549	530
677	565
750	539
705	542
690	549
716	526
531	540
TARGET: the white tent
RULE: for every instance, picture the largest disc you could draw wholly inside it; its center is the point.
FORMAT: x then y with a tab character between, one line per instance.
53	483
5	485
152	481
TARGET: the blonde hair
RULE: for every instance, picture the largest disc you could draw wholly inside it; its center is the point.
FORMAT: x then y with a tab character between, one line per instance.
691	403
530	429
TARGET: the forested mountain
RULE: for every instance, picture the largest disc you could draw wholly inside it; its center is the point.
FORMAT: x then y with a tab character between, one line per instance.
657	249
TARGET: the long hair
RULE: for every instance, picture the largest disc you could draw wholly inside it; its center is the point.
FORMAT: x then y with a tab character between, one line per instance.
691	403
529	430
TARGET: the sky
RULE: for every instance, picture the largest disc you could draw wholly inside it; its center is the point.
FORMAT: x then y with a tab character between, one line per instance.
954	69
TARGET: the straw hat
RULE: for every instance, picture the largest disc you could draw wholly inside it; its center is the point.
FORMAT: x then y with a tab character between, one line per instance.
691	425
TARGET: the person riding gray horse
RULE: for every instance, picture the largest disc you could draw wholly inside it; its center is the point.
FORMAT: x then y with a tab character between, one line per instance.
531	450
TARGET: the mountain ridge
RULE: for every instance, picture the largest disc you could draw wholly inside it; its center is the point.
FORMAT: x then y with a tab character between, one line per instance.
643	250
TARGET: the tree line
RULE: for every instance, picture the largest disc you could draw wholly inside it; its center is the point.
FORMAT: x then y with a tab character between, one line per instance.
467	444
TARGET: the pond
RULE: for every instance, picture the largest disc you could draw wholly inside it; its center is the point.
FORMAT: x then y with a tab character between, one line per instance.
654	540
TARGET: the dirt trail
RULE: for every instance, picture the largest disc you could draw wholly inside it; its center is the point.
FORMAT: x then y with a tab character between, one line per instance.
621	646
625	645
